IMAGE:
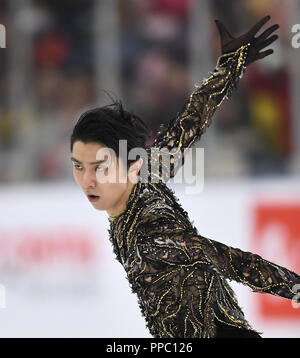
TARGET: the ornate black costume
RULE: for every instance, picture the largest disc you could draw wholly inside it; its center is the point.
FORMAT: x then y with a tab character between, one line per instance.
178	275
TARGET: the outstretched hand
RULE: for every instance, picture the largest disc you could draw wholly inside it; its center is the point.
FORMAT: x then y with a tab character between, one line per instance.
229	43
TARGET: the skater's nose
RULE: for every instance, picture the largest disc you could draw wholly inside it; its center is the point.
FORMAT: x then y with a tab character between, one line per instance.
89	179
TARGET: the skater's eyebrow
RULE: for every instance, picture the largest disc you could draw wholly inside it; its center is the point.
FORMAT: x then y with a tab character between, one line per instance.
96	162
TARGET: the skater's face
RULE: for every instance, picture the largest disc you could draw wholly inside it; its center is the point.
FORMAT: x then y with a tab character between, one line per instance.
100	173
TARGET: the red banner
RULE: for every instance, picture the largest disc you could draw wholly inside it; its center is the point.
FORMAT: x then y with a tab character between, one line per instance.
276	238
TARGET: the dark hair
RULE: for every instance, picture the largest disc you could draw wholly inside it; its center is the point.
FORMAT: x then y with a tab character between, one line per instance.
109	124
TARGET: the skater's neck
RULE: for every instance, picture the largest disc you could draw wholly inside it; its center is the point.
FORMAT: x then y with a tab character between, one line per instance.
120	207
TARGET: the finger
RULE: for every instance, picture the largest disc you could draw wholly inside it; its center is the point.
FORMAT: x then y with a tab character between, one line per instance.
224	33
266	43
259	25
264	54
267	32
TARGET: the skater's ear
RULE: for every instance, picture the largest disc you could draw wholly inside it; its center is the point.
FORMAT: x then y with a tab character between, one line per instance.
134	169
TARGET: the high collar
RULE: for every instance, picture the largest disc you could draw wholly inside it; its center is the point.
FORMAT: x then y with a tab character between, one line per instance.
134	191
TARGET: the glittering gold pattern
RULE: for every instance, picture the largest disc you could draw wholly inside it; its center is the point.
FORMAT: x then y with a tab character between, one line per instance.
179	276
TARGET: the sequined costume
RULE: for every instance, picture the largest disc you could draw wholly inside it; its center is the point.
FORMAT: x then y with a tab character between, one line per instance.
179	276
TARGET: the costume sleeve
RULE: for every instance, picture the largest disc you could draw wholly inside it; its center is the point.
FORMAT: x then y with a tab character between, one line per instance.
249	269
188	126
179	269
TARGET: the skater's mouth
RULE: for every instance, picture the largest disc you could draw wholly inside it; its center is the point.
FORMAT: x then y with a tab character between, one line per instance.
93	198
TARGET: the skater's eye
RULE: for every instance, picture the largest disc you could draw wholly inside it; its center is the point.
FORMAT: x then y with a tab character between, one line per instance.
100	169
76	167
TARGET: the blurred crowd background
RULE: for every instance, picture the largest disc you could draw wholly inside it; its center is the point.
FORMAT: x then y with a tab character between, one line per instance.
62	56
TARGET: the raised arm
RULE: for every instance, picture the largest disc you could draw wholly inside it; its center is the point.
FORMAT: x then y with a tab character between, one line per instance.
188	126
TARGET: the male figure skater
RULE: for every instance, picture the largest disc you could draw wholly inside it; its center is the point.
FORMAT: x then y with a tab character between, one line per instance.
179	276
